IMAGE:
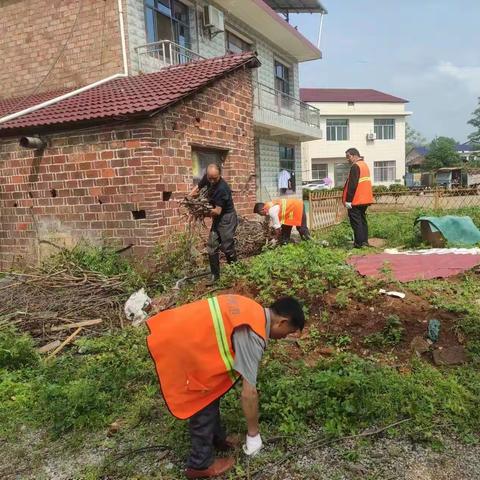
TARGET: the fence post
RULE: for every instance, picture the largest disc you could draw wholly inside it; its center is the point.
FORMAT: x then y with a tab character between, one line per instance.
310	209
436	198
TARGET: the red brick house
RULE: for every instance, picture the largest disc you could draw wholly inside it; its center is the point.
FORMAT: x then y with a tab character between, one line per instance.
119	156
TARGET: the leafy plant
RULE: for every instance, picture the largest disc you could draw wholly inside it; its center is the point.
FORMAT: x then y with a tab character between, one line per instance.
390	336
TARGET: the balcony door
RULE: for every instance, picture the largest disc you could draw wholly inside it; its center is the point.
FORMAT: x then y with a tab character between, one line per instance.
168	20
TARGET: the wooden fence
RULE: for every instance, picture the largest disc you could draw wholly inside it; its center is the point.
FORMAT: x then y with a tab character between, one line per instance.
326	207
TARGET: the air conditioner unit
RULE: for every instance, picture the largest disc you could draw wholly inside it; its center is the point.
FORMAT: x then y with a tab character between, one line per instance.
371	136
213	18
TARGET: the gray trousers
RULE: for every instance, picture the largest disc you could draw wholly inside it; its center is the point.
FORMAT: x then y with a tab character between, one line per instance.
206	432
222	236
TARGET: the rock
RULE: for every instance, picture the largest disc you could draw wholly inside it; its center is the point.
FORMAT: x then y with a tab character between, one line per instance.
113	428
419	345
356	468
449	356
326	351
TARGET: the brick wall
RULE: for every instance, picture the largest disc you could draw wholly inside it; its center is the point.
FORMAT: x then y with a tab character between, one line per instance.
88	182
33	35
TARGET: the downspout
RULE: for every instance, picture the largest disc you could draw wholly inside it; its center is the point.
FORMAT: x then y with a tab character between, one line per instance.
52	101
320	31
122	36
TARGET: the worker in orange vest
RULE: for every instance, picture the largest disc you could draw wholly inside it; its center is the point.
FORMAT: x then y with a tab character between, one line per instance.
285	214
200	350
357	196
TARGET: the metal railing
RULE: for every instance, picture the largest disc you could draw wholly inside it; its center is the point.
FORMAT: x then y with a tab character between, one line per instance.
154	56
269	98
326	207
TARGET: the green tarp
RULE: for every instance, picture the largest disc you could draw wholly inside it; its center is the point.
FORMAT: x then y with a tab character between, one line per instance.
456	230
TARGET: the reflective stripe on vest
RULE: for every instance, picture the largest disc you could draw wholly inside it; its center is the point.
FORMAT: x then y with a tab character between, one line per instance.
284	211
221	337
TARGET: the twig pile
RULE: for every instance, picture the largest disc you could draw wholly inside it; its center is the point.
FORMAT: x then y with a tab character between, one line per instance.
197	207
47	304
251	236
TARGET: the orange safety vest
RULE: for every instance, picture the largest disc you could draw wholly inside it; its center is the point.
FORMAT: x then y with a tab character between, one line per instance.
363	194
291	211
192	349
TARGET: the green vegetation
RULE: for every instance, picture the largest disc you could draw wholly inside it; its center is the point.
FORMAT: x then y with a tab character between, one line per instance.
97	381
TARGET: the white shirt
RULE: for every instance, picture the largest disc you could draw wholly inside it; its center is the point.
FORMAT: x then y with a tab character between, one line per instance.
283	178
274	214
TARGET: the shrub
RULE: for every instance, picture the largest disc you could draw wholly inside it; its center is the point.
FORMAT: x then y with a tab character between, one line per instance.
16	350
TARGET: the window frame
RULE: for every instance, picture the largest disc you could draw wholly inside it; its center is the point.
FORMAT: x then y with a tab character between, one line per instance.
287	160
329	129
247	43
176	24
196	150
381	129
283	84
323	165
382	172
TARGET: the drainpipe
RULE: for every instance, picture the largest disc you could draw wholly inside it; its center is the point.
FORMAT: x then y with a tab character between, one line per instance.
122	36
320	31
52	101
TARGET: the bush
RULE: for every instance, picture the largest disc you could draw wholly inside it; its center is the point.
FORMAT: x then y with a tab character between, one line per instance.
16	350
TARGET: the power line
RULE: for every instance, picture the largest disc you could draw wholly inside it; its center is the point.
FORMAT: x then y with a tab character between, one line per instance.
62	50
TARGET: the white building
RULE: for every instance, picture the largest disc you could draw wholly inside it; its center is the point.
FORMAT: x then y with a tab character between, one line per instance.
371	121
163	32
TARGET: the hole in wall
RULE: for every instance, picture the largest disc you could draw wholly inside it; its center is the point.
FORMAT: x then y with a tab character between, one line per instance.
53	193
166	196
15	204
99	200
139	214
30	194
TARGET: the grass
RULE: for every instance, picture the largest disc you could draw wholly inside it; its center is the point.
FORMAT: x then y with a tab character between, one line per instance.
71	400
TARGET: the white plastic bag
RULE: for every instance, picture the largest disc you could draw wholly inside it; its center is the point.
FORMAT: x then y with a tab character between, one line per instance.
135	307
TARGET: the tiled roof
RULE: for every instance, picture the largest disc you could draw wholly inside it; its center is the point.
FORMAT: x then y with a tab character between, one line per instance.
126	96
347	95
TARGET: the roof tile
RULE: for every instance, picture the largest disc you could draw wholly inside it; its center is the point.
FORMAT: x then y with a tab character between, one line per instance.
347	95
123	96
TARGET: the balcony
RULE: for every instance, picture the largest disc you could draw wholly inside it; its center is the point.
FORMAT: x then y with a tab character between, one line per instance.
154	56
283	114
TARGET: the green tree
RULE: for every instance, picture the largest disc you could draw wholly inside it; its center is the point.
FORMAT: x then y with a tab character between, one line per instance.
413	138
442	153
475	122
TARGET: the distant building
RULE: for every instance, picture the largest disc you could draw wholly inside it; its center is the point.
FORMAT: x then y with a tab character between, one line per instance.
369	120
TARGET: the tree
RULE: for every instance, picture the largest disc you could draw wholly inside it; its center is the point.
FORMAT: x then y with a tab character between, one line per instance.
413	138
475	122
442	153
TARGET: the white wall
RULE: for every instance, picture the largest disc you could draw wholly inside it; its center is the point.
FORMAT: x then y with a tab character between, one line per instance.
361	121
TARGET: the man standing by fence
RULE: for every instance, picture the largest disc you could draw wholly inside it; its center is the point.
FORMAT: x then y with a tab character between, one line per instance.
357	196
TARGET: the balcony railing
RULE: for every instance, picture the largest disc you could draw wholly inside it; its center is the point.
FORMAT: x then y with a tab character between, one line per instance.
153	56
269	98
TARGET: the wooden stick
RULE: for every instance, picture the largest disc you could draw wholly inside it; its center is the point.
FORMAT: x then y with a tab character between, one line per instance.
49	346
69	326
65	342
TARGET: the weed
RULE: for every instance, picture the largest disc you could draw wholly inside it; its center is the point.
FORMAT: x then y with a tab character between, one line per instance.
390	336
16	350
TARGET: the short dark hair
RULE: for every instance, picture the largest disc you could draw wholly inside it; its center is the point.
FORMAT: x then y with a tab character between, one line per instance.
290	308
258	208
353	151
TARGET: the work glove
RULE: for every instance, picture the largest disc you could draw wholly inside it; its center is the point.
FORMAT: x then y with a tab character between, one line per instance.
252	445
348	205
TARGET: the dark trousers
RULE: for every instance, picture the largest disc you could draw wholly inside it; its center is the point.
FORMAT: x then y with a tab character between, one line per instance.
206	432
358	221
222	236
302	230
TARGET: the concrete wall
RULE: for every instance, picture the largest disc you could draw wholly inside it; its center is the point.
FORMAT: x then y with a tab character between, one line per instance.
361	121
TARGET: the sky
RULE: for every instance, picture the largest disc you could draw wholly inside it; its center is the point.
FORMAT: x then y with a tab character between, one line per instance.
426	51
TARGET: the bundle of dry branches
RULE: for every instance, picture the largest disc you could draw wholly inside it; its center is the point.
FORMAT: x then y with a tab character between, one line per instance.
50	304
251	236
197	207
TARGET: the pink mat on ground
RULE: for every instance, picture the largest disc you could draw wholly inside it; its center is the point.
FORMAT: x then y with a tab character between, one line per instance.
405	268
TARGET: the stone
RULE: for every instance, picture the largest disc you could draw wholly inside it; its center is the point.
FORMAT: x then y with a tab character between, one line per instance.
450	356
419	345
377	242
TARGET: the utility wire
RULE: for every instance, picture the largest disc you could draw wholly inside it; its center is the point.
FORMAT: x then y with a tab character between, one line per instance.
16	107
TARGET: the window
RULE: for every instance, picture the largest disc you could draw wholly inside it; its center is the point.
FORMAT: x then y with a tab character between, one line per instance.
319	171
282	83
167	20
234	44
337	129
384	171
287	162
201	158
341	171
384	128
